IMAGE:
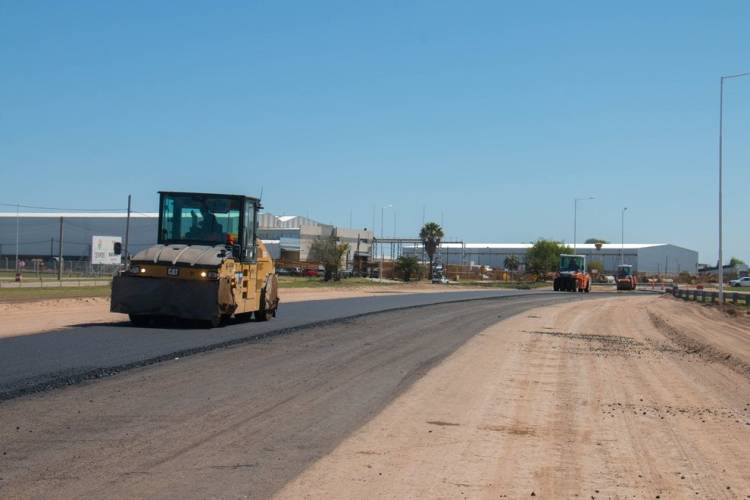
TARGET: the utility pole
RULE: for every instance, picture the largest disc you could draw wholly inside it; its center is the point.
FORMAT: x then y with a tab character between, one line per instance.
424	209
18	230
127	234
721	179
356	256
622	236
60	252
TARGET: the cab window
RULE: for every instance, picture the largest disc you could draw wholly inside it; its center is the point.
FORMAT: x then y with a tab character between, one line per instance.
199	219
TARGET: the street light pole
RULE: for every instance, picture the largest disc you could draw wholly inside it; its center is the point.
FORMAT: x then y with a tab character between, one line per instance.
721	180
18	225
575	219
382	250
622	236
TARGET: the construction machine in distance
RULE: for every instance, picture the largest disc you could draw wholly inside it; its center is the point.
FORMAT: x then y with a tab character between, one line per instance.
208	265
571	275
625	278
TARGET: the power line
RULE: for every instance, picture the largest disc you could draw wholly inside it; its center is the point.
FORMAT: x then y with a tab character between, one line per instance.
40	242
18	205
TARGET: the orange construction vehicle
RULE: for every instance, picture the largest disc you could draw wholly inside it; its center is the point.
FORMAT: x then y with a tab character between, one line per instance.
625	278
572	275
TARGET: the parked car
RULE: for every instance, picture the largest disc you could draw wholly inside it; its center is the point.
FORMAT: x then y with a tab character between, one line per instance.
290	271
439	278
346	273
740	282
310	273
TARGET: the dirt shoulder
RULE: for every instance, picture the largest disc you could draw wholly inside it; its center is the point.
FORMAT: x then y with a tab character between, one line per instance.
614	398
34	316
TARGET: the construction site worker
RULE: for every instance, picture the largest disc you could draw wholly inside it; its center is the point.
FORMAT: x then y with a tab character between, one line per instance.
207	228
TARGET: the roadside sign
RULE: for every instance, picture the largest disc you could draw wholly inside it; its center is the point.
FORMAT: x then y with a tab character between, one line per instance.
103	250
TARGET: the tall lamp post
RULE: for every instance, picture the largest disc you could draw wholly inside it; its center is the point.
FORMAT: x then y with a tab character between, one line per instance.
18	225
721	179
575	219
622	236
382	235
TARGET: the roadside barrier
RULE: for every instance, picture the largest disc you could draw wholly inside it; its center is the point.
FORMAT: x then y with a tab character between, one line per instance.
711	297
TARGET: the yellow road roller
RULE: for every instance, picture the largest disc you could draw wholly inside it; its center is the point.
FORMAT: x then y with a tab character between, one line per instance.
207	266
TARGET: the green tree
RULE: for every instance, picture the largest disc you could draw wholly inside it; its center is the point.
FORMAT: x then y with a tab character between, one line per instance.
431	236
512	264
544	256
406	267
593	241
734	262
595	265
329	252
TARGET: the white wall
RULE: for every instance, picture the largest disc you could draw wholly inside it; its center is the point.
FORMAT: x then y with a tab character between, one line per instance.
669	259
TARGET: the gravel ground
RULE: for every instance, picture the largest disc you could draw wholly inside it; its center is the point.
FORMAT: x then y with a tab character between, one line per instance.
616	398
543	395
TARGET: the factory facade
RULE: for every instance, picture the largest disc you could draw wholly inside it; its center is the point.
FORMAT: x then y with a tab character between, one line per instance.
651	258
289	238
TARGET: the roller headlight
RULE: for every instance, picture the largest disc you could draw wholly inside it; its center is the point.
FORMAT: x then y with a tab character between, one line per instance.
136	269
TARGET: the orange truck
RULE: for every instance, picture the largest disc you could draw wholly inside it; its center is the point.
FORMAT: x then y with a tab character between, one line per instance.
571	275
625	278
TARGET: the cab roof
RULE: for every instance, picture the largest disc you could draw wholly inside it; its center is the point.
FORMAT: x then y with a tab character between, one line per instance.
222	195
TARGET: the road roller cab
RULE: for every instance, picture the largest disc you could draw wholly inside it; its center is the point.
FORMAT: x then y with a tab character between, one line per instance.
208	264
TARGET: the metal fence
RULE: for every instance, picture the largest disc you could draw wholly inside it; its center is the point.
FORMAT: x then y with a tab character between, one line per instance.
711	296
47	270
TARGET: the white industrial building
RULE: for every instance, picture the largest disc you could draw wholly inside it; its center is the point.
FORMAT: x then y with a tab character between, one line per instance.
656	258
290	237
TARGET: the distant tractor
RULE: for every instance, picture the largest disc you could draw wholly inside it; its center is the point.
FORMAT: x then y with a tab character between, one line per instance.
572	275
625	278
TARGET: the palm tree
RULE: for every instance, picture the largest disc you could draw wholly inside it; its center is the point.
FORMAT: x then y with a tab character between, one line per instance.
431	235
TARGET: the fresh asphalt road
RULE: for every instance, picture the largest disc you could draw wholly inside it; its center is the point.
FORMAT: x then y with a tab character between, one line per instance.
239	422
36	362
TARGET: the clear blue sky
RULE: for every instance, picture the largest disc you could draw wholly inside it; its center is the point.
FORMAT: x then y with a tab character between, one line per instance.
495	114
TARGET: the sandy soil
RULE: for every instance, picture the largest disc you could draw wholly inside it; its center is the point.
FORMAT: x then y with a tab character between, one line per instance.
24	318
638	397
